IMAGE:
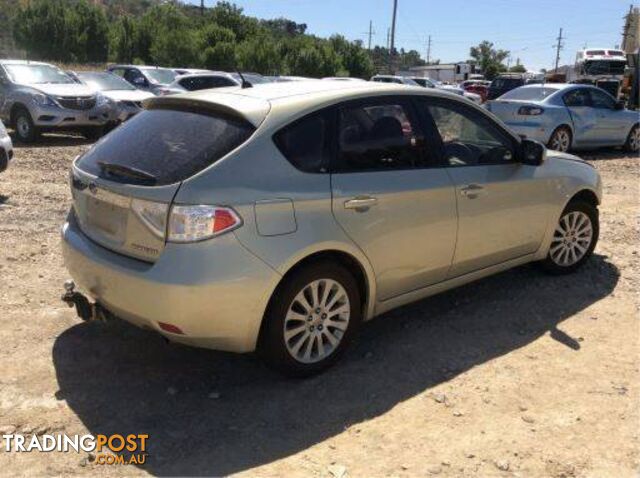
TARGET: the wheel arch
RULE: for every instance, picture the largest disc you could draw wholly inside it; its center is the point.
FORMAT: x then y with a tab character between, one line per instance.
585	195
362	273
563	124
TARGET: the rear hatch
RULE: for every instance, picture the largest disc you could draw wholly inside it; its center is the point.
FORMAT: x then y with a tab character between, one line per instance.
124	185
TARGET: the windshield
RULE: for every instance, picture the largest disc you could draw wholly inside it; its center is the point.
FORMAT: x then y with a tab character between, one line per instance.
104	81
161	75
529	94
604	67
37	74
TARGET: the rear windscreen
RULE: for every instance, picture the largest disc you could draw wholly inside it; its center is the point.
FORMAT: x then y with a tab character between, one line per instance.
506	83
162	146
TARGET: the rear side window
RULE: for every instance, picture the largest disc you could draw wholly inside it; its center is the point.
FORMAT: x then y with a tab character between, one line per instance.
305	143
162	146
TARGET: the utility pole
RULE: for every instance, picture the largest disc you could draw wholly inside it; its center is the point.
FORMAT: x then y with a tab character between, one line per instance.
392	68
388	37
201	7
558	48
429	50
370	33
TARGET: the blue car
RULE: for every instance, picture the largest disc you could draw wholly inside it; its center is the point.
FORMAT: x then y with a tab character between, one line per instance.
568	116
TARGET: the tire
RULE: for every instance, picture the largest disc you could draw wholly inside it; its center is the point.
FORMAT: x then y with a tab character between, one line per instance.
26	131
572	234
632	145
561	139
299	354
92	133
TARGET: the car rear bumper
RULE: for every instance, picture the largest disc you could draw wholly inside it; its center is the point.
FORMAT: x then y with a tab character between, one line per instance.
215	294
53	117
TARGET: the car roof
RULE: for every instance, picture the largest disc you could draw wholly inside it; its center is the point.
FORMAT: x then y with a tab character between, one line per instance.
284	101
140	67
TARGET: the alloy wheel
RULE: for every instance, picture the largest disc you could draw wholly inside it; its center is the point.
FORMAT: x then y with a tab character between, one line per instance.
23	127
316	321
571	239
561	141
634	140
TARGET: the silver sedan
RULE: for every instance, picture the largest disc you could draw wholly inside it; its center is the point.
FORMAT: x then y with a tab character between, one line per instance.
567	116
279	218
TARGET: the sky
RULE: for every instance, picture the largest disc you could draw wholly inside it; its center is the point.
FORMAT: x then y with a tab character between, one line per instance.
527	28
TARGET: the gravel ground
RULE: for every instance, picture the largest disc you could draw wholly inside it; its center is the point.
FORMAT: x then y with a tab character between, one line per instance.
520	374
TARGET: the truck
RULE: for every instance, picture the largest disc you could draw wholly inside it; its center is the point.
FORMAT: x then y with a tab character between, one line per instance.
601	67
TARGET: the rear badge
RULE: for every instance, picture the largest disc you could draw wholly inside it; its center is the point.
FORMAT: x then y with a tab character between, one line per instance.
145	249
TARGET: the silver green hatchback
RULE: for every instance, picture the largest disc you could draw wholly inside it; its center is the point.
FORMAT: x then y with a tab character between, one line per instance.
278	218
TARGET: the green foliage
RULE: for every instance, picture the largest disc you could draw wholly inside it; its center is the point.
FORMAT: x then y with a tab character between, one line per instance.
518	68
63	31
489	59
171	33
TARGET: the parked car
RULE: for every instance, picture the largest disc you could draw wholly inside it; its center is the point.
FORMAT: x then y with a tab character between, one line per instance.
504	83
148	78
401	80
428	83
279	218
566	116
479	87
6	148
37	97
252	78
188	71
201	81
127	99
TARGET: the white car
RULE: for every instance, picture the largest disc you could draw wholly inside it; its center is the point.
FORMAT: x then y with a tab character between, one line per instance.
428	83
6	148
126	98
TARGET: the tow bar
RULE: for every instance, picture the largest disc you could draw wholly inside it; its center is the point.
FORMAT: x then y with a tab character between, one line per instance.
85	309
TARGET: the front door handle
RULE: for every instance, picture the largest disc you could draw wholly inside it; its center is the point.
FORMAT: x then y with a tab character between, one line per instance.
472	191
360	202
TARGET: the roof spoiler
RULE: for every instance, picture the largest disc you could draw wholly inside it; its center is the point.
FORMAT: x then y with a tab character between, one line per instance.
192	105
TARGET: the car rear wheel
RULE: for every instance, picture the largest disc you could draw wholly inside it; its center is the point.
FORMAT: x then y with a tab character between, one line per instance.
574	238
560	139
311	320
26	131
632	144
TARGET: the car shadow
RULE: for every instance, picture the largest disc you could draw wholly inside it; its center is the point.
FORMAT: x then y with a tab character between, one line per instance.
605	154
211	413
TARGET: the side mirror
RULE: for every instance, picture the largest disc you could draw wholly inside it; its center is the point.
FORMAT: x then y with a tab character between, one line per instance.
619	105
532	152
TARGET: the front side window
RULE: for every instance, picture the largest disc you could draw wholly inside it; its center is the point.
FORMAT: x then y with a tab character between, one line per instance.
377	137
602	100
577	98
468	137
305	143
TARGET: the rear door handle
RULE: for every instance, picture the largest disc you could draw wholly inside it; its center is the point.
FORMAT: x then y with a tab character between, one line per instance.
360	202
472	191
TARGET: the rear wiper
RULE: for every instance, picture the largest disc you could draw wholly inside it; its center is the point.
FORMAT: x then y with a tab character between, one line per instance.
127	172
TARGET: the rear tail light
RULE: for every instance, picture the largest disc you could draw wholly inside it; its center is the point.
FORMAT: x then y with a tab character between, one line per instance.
530	110
197	223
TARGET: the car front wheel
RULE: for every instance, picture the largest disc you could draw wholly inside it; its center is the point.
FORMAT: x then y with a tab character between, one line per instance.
312	318
26	131
574	238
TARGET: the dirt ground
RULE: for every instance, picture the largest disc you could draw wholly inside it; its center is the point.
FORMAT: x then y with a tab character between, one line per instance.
520	374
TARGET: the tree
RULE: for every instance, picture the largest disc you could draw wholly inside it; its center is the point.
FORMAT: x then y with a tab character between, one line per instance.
489	59
518	67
